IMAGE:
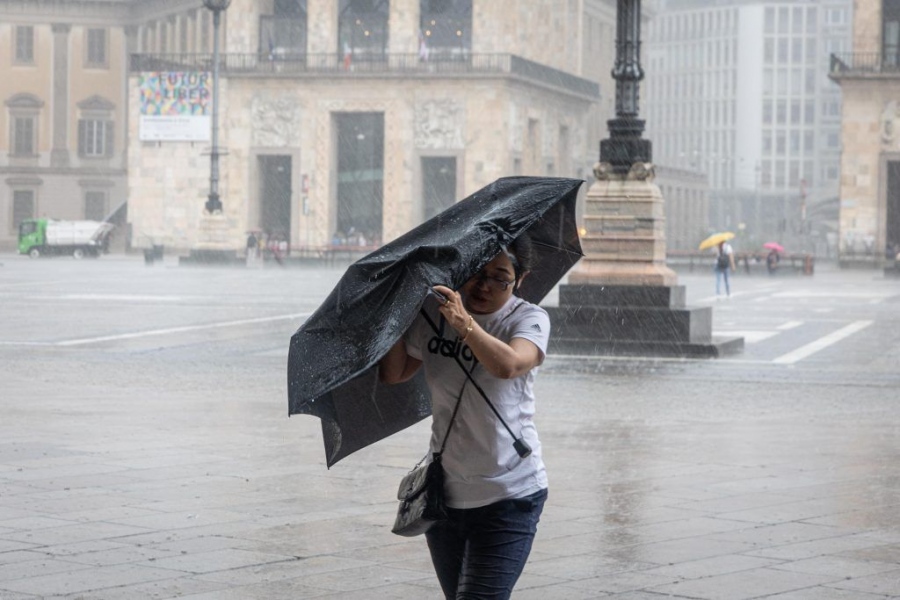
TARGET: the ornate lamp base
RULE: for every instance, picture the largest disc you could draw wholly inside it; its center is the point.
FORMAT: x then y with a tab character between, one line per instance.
621	298
215	242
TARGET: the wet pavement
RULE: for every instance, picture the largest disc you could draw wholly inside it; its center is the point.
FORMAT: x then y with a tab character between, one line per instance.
146	452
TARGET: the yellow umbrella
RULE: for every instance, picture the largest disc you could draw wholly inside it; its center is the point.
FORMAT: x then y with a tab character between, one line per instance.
716	239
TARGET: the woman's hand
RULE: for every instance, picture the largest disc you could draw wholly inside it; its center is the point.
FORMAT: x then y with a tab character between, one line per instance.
453	310
500	359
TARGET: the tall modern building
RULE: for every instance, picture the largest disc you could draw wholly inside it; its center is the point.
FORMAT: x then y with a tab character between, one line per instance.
869	76
739	90
333	114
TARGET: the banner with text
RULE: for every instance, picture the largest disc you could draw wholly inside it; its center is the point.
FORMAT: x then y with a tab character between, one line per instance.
175	106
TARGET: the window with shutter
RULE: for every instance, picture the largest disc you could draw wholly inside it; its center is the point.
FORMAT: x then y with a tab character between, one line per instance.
23	136
96	48
24	44
95	138
23	207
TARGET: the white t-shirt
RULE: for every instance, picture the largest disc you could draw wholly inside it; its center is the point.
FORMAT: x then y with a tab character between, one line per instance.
480	464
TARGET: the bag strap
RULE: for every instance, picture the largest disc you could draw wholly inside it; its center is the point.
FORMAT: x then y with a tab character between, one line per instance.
452	419
519	443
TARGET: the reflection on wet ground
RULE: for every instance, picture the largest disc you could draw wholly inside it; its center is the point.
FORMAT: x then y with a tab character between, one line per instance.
155	459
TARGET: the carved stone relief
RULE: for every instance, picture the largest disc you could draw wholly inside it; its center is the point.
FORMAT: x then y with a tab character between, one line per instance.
439	125
276	122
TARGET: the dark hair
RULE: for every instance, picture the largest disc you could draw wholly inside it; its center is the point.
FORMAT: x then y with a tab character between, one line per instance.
522	251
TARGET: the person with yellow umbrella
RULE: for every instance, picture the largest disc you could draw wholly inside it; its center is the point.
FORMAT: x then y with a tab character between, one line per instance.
724	259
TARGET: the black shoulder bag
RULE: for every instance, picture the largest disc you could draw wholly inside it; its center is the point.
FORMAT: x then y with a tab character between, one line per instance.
421	492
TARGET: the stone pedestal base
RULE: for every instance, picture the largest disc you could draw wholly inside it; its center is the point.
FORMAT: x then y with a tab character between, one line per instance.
622	299
624	240
214	242
628	320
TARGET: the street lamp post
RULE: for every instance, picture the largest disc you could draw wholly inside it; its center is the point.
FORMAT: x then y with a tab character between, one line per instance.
213	204
622	298
625	147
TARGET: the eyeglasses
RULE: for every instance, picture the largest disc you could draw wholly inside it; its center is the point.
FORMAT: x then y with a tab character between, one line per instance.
497	285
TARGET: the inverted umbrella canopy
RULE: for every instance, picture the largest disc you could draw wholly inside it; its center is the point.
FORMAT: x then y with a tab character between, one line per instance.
774	246
332	363
716	239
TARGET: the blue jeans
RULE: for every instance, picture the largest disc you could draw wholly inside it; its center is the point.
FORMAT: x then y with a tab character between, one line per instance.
480	552
720	274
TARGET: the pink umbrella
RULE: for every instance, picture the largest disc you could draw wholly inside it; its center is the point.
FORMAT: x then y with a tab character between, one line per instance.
774	246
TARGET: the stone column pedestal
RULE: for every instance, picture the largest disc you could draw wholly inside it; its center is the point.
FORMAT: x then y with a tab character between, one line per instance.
621	298
215	242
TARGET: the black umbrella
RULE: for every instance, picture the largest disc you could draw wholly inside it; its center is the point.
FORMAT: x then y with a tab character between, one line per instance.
332	364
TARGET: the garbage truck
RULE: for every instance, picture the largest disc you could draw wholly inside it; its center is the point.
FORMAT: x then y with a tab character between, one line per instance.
48	237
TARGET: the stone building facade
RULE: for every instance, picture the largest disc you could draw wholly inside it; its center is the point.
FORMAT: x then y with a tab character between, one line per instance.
329	132
492	91
63	120
869	77
686	195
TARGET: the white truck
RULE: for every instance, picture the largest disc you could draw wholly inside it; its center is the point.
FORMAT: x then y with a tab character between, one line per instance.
46	237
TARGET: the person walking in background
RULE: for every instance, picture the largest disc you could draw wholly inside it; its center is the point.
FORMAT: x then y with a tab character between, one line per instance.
252	249
772	261
494	495
724	267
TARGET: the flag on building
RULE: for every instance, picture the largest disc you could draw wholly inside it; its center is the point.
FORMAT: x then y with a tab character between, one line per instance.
423	47
348	55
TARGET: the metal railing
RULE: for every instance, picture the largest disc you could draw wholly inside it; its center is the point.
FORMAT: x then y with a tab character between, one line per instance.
368	64
864	63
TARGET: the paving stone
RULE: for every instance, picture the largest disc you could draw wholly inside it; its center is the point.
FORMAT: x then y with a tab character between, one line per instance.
216	560
166	588
82	532
826	593
835	565
87	580
707	567
743	585
735	478
880	583
285	569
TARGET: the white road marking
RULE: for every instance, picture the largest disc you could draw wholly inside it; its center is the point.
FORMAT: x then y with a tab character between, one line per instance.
27	283
652	359
821	343
123	297
750	337
867	295
724	299
789	325
140	334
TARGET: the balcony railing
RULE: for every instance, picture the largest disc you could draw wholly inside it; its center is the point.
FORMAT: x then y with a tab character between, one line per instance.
857	64
387	65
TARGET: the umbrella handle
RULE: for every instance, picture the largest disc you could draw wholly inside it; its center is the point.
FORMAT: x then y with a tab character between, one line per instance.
522	447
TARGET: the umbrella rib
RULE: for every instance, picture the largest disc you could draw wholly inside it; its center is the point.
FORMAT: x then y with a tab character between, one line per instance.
373	395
